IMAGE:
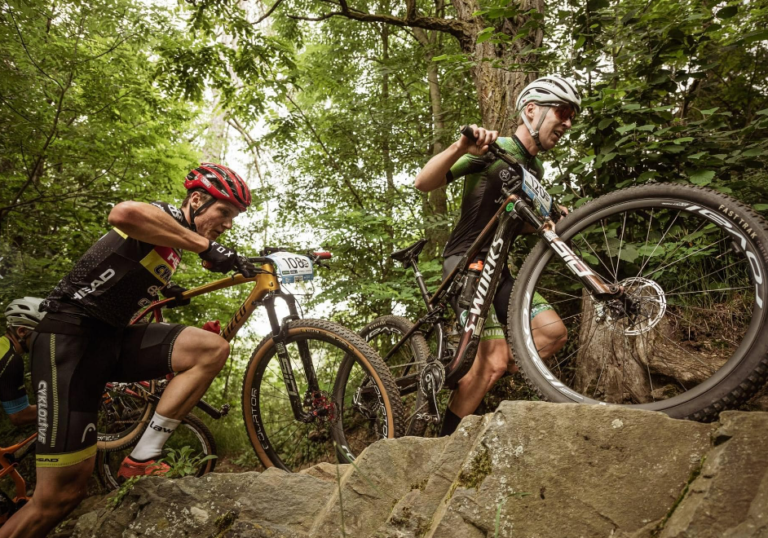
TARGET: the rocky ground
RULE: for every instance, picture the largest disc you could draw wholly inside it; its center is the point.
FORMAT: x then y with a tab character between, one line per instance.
530	469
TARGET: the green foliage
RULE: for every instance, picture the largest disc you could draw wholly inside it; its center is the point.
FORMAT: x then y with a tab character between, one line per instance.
84	126
125	489
183	461
671	95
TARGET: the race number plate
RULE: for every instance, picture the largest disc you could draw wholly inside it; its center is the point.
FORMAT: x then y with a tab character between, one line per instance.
536	192
292	267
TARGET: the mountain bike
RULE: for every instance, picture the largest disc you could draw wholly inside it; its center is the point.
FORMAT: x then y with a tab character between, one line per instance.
662	289
294	412
124	414
9	460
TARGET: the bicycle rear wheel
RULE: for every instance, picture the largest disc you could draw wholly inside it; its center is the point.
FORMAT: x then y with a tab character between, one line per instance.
191	442
124	412
406	365
282	440
690	340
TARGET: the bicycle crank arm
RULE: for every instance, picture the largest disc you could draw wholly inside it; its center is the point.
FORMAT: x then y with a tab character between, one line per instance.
209	410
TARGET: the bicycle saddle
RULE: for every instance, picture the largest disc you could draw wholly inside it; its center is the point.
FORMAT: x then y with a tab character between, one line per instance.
407	254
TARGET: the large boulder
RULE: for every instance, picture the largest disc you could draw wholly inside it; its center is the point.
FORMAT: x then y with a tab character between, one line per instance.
529	469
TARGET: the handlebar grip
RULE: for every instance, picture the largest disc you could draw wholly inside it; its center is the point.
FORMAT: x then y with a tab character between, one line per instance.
467	131
322	255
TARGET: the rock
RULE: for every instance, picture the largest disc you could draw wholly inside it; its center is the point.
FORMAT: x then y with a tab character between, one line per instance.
572	470
282	503
412	515
729	496
531	469
385	472
327	471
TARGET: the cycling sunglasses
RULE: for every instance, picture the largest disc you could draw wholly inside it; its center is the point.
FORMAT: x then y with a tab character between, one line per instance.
565	112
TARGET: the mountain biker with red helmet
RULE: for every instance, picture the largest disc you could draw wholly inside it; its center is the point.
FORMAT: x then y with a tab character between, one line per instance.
85	339
546	106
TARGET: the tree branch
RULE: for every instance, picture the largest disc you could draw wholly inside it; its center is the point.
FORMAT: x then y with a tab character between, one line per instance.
268	13
457	28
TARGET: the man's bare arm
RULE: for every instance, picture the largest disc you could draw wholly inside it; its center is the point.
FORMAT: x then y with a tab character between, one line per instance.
433	175
151	224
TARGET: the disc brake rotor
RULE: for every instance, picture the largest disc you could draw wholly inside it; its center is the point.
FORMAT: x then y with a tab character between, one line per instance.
642	309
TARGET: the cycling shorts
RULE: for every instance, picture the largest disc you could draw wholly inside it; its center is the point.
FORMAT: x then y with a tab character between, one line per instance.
73	357
496	323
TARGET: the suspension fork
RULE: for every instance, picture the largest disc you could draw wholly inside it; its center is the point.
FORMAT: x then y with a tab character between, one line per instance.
280	337
596	285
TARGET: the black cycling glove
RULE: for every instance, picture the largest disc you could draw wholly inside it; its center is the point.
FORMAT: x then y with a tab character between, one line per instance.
175	291
221	259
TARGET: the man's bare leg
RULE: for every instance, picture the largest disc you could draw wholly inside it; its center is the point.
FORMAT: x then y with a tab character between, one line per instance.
198	356
59	490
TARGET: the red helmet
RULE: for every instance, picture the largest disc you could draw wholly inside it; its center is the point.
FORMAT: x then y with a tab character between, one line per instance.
220	182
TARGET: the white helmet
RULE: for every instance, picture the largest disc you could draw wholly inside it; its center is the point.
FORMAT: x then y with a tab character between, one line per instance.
547	91
24	312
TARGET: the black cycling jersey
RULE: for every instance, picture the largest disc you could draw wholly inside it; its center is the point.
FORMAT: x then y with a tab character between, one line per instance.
117	276
482	190
13	394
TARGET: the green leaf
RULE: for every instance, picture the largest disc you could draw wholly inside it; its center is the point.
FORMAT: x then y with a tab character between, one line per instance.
648	175
605	122
754	152
485	34
751	37
761	207
763	112
628	253
702	177
683	140
648	127
727	12
697	156
672	149
709	111
625	128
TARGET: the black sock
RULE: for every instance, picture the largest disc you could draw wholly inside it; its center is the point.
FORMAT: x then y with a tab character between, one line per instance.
450	423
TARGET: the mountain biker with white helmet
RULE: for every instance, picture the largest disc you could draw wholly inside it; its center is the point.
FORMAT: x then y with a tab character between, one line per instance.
547	107
22	316
85	339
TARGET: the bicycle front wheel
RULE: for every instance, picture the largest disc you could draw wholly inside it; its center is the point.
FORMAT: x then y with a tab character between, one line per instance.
283	439
185	451
689	338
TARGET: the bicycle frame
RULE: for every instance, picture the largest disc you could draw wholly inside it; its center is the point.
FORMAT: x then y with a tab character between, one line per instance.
8	464
265	291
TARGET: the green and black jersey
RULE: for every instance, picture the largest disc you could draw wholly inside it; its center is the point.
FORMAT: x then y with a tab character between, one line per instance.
13	395
482	196
117	276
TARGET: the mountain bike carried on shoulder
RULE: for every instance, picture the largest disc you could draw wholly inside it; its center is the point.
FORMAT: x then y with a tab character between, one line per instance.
294	411
662	289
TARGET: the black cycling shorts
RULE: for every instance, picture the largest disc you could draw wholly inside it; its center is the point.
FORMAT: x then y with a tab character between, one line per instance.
73	357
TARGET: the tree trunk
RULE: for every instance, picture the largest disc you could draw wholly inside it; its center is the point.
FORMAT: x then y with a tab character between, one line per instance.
436	203
618	368
497	87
